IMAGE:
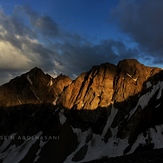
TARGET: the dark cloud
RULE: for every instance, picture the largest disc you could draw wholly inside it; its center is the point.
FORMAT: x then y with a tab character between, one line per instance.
142	20
77	58
44	24
24	45
7	75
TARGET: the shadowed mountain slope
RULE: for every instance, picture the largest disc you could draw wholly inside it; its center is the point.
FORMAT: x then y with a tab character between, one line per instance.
108	111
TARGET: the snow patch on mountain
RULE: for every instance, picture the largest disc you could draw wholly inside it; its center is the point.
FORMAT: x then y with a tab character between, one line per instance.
30	81
36	95
62	117
128	75
55	101
159	94
50	82
157	136
97	147
38	152
19	100
110	120
15	153
153	136
144	99
148	84
134	79
6	142
115	146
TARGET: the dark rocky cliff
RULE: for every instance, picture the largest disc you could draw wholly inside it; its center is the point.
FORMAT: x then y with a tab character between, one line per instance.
33	87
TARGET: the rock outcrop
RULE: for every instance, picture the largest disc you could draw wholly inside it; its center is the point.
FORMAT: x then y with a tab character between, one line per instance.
91	89
130	79
32	87
106	84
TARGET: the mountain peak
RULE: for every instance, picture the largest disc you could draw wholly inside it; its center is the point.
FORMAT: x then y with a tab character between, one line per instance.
102	85
129	64
90	90
132	60
32	87
35	70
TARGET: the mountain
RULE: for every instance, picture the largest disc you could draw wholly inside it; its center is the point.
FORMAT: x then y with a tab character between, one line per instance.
33	87
106	84
109	111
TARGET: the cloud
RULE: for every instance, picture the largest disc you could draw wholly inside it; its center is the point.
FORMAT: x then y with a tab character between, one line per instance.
28	39
42	23
12	58
81	57
6	75
20	48
142	20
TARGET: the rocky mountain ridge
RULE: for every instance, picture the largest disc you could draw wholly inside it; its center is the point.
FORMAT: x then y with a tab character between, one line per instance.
106	84
108	111
100	87
33	87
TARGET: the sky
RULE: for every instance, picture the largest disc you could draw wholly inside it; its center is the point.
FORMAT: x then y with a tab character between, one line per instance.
70	36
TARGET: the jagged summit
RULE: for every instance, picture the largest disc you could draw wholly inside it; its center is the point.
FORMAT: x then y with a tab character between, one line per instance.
35	71
90	90
106	84
99	87
32	87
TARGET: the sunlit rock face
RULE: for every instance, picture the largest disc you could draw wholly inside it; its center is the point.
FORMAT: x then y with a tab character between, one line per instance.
130	79
32	87
106	84
101	86
90	90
